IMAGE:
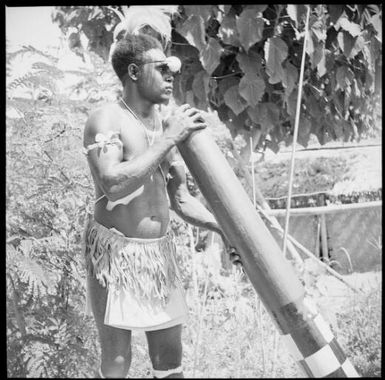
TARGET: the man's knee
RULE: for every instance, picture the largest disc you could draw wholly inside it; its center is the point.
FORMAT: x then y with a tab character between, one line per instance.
117	366
167	355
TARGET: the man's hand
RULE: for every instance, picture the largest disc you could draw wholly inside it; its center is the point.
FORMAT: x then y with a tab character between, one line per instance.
181	122
234	257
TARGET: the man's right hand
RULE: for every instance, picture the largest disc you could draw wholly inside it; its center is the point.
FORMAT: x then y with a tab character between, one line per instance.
182	121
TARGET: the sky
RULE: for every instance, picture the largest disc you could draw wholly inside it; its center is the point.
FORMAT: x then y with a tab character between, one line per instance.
31	26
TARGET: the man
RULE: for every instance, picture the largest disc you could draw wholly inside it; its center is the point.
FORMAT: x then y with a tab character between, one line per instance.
133	280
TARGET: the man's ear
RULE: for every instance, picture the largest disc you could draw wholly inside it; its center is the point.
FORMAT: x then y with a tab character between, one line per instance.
133	71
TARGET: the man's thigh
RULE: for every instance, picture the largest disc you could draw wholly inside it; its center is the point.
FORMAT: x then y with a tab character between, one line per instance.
114	342
165	347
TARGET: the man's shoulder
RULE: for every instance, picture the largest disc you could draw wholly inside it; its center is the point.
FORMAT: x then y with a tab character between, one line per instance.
102	116
103	111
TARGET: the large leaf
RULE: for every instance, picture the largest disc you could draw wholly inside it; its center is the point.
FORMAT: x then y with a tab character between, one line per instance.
210	55
250	64
290	76
256	7
234	101
203	11
275	53
194	31
358	46
319	30
250	28
296	12
304	128
321	66
376	21
228	30
335	12
312	104
351	27
200	85
291	102
252	88
318	54
346	43
344	77
265	114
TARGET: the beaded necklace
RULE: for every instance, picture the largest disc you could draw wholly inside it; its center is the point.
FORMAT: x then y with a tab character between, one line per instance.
141	122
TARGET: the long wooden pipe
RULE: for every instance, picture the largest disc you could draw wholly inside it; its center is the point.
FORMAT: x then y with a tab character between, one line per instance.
308	336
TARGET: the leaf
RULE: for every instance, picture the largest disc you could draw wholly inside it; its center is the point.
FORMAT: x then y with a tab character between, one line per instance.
321	66
203	11
344	77
376	21
313	106
265	114
250	28
291	102
210	55
335	11
234	101
351	27
228	30
304	128
200	85
250	64
290	76
193	30
346	43
259	8
318	54
319	30
252	88
296	12
224	85
275	53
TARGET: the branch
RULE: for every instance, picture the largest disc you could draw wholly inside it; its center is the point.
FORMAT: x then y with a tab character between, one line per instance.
18	314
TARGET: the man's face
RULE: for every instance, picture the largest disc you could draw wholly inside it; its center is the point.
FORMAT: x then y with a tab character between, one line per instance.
156	79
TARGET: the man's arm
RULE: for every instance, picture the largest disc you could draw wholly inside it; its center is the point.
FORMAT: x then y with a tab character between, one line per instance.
118	178
185	205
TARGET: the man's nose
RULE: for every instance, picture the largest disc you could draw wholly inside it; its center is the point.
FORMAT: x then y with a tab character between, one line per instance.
169	77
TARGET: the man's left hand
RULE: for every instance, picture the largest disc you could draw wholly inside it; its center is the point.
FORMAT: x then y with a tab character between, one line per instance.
234	256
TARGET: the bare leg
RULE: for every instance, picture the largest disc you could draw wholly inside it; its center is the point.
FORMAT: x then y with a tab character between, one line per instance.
165	349
115	343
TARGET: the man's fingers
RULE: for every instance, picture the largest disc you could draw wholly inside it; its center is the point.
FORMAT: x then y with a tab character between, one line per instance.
184	107
197	126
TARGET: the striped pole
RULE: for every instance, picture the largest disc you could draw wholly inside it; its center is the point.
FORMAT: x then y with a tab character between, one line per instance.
307	336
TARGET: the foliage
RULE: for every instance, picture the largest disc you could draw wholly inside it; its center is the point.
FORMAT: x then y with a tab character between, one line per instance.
47	197
96	22
359	328
243	61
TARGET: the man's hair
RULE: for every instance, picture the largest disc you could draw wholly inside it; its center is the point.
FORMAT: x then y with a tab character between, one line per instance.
131	49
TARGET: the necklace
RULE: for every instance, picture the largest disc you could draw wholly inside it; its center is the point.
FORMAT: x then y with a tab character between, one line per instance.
150	142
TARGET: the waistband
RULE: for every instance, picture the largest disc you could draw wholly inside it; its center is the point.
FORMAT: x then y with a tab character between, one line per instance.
146	266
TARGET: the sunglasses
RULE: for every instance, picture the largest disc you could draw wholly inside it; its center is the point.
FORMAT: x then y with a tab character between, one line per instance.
173	64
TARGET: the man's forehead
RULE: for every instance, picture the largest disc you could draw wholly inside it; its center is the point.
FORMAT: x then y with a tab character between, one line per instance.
155	55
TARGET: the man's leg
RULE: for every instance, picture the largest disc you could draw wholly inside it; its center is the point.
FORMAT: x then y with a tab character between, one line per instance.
115	343
165	349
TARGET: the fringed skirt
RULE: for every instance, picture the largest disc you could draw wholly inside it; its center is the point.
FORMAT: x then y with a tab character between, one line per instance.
141	277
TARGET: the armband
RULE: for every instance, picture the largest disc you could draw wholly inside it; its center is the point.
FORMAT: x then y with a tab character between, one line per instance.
101	141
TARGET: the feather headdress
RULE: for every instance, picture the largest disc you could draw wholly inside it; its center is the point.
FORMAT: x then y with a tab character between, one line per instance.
157	17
